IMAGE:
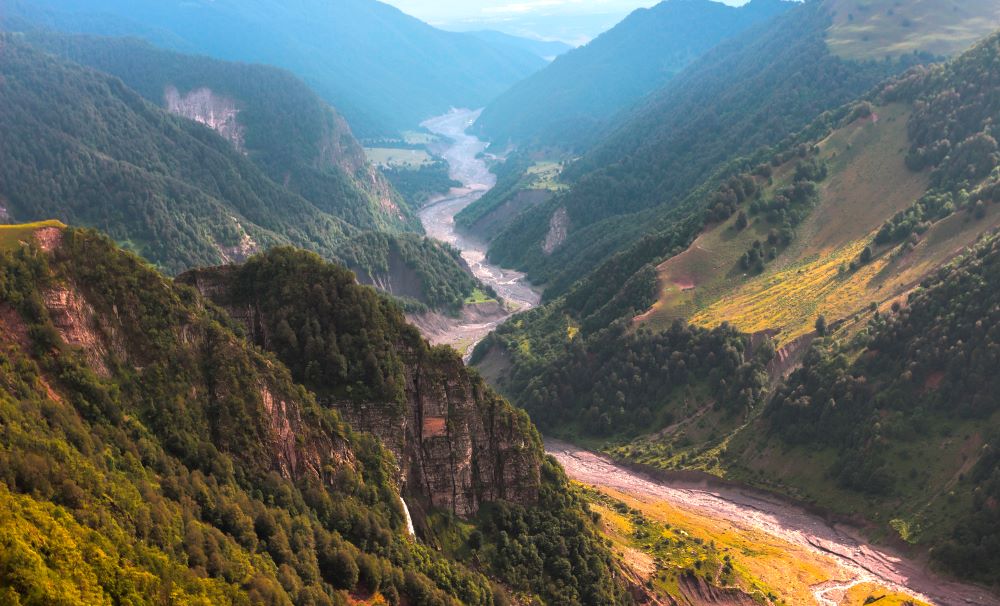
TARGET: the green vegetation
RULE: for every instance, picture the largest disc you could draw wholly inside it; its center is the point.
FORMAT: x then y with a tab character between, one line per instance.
13	237
82	148
427	273
419	186
394	157
286	129
570	102
914	373
711	122
143	457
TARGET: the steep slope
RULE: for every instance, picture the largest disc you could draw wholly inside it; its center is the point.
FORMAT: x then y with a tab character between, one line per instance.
272	117
569	102
81	147
900	425
848	217
749	93
384	70
148	450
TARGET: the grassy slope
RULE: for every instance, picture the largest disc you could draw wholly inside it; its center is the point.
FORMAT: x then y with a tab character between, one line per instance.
12	236
868	184
865	29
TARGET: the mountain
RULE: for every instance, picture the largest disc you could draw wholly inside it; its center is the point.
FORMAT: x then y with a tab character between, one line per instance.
267	114
546	49
825	330
151	452
81	147
749	93
569	102
384	70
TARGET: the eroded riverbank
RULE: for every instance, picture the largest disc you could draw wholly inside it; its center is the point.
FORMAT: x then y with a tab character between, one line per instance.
465	165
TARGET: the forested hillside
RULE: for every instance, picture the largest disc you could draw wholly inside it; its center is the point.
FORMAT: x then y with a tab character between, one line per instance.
283	126
150	451
837	251
748	93
568	103
81	147
384	70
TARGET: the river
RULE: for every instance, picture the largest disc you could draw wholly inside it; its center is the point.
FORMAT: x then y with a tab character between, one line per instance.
463	154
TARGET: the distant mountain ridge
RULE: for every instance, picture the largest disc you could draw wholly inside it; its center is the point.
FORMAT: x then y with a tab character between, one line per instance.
569	102
384	70
266	113
546	49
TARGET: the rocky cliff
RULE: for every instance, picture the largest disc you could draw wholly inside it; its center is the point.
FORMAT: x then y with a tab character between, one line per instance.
457	443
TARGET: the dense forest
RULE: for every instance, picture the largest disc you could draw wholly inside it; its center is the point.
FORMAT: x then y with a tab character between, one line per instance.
144	436
420	185
81	147
557	105
285	128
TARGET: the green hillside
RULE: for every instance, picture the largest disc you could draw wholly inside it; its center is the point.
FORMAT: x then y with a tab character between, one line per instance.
278	122
150	453
844	238
384	70
81	147
569	102
747	94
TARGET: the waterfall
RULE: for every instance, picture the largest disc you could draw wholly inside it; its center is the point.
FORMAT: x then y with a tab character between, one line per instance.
409	520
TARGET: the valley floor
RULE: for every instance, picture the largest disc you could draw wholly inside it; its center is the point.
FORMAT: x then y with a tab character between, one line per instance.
798	556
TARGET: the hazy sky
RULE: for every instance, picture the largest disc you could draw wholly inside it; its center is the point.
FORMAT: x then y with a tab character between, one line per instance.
570	20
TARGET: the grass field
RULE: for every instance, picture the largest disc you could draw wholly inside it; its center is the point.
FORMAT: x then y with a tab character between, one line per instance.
874	29
398	158
11	236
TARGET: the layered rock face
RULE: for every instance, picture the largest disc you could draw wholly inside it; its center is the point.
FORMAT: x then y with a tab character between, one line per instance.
458	444
214	111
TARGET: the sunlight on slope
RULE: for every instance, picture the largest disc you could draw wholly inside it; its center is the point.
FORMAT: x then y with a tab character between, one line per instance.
874	29
12	236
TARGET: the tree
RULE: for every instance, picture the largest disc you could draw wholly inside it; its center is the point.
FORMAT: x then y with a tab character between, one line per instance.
742	222
821	326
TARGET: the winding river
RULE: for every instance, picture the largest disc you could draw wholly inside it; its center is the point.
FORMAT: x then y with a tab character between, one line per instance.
854	561
463	153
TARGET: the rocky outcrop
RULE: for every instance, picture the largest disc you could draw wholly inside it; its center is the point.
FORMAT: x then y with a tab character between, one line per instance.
558	229
214	111
457	443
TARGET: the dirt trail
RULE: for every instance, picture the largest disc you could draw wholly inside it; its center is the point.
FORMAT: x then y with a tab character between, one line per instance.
746	510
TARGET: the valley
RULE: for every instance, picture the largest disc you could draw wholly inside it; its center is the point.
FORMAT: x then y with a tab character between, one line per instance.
463	154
